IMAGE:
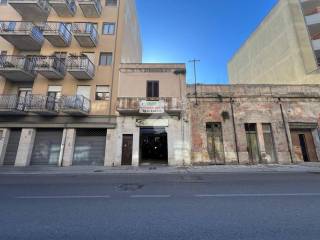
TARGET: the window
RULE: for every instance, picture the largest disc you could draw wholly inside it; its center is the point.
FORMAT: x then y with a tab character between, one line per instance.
3	2
103	93
108	28
105	59
112	3
152	89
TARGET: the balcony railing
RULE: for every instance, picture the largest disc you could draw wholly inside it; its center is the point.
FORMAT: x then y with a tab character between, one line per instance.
50	67
81	67
31	10
132	105
86	34
90	8
75	105
23	35
41	104
12	104
57	33
17	68
64	8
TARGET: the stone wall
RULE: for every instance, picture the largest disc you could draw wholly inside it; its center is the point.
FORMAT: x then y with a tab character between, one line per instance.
235	105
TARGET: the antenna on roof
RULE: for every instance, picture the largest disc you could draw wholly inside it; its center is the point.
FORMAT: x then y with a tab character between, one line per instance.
194	61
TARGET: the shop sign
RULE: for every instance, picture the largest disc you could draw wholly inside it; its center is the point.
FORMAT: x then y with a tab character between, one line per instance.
150	107
152	122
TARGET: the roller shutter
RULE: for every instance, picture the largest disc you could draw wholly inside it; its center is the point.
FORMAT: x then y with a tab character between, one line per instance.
46	147
90	147
12	147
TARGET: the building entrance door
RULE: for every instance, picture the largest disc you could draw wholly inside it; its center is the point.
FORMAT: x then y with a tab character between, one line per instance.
153	146
127	142
303	145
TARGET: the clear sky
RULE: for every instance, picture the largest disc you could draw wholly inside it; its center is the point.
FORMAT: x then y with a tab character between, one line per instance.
209	30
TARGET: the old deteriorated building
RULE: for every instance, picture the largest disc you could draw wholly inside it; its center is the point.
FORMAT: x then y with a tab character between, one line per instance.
254	124
284	49
59	69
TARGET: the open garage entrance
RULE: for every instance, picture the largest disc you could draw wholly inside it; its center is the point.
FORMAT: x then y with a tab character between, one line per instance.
153	146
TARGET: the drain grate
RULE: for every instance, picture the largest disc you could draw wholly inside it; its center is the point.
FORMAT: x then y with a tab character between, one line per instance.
129	187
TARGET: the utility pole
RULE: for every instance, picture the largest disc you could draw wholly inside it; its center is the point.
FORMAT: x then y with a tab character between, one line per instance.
194	61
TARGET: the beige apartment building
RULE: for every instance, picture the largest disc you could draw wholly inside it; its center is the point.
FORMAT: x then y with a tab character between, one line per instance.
284	49
59	70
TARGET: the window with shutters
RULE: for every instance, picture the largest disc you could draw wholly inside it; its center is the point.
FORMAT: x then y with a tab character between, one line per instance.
152	89
103	93
105	59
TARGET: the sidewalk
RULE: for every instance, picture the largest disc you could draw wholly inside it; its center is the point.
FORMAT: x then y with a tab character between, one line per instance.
96	170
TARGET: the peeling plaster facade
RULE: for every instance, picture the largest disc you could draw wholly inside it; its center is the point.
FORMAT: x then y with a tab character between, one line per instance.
288	109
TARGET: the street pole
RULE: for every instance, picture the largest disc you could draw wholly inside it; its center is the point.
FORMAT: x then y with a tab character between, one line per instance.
194	61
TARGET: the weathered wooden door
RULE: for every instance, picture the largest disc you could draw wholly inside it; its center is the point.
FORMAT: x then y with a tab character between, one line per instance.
215	143
127	142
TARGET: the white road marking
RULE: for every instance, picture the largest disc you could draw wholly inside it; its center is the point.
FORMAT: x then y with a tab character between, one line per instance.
62	197
258	195
150	196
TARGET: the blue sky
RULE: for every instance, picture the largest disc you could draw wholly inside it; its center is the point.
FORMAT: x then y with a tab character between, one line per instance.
209	30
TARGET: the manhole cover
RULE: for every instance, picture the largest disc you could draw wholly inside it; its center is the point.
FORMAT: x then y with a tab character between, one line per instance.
129	187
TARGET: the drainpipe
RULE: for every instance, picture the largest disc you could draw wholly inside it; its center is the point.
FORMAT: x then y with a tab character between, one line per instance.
285	129
234	130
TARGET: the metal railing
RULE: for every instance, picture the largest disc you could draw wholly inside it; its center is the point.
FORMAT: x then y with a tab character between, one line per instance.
12	102
42	103
71	4
21	27
44	4
77	102
17	62
58	28
133	103
97	4
86	28
81	63
49	62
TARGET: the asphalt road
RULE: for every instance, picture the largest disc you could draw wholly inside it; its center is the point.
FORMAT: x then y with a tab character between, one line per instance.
217	206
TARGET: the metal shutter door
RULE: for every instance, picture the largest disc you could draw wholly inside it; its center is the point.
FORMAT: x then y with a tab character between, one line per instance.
90	147
12	147
46	147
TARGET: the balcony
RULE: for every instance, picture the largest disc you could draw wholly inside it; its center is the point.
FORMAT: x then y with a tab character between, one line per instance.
309	5
86	34
57	33
23	35
64	8
17	68
50	67
135	106
12	105
42	105
90	8
80	67
31	10
75	105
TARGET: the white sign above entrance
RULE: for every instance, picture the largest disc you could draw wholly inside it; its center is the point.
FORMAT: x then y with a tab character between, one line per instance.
152	122
150	107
